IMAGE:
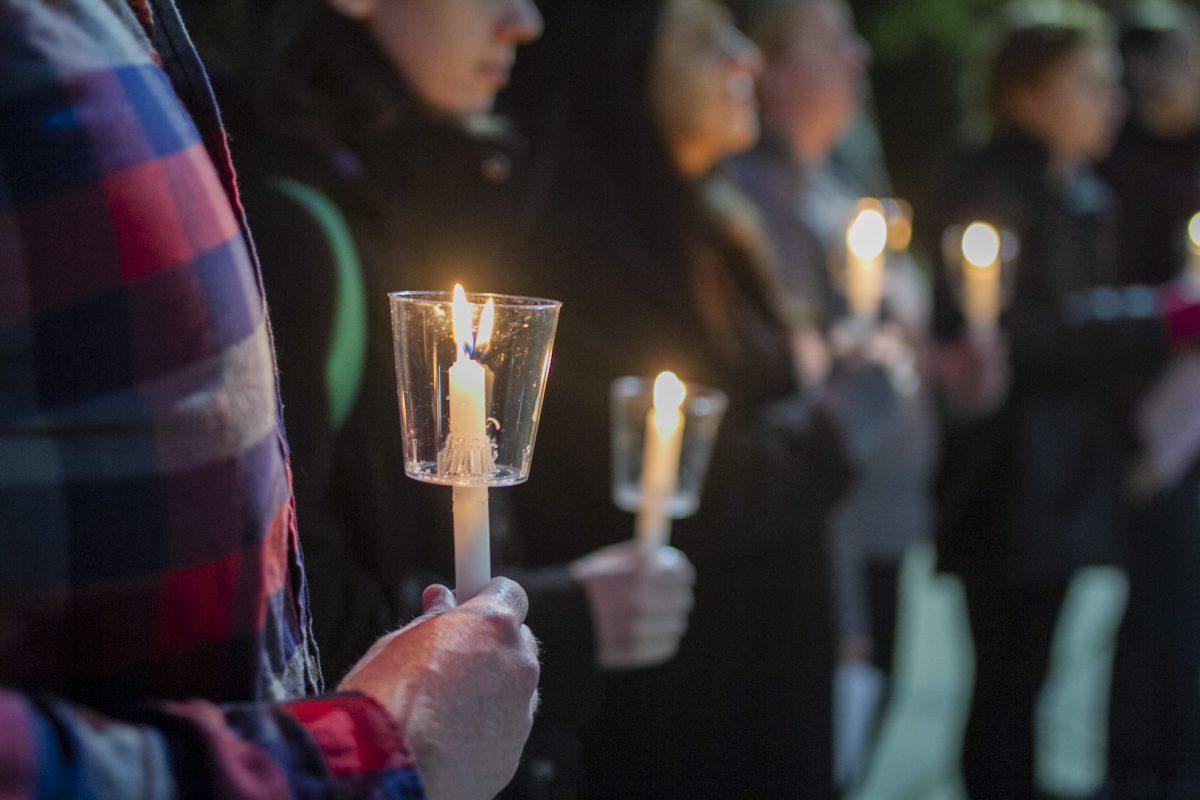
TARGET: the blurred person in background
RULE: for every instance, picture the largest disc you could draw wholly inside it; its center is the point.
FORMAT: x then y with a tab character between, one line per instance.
811	93
632	105
1038	439
377	165
1154	170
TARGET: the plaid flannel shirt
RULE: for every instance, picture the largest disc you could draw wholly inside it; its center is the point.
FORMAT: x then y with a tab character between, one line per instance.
153	622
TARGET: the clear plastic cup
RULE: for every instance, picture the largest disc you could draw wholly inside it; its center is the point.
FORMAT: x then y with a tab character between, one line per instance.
515	361
631	400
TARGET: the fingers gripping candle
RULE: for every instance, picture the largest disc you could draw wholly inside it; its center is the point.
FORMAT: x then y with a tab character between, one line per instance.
468	450
660	464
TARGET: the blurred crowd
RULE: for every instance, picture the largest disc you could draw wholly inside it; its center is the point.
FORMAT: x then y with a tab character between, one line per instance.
205	520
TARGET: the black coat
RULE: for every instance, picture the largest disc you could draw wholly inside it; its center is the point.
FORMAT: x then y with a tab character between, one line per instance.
1035	490
1157	186
744	710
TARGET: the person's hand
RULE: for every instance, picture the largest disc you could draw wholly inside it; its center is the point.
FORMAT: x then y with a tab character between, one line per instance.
462	683
812	357
640	602
974	374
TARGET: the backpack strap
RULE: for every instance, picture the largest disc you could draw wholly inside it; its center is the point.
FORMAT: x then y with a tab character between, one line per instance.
346	360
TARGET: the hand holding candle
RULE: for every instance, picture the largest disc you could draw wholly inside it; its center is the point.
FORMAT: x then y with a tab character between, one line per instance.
471	373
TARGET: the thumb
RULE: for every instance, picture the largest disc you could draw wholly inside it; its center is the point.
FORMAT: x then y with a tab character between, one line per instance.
437	599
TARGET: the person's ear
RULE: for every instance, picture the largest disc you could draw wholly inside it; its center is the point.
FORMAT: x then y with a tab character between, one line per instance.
357	10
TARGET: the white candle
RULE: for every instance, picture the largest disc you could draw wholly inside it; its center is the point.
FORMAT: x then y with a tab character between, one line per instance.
1194	250
981	279
866	240
660	461
469	449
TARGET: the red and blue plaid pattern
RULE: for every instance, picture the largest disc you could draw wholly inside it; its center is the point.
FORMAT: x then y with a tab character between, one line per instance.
148	545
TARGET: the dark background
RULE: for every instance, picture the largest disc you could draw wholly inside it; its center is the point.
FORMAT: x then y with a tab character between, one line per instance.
922	50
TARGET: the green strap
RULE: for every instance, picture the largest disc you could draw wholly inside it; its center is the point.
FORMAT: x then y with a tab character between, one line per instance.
347	355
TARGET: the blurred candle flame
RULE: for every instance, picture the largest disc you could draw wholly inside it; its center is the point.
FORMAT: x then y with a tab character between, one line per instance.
867	235
669	394
981	244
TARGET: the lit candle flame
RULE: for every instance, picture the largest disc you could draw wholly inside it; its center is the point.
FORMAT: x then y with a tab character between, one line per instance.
867	235
472	344
1194	231
669	394
461	316
981	244
487	323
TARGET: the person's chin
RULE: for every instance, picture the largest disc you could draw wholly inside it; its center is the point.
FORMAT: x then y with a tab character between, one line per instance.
476	105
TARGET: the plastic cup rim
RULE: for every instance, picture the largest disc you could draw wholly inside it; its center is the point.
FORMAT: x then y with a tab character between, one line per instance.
624	387
507	301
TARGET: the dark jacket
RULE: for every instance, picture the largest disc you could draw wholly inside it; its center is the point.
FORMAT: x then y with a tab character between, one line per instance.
744	710
1157	186
1035	490
432	207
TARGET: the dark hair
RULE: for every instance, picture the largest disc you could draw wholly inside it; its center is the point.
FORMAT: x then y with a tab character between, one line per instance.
1157	28
768	23
610	188
582	97
1025	57
1155	36
321	78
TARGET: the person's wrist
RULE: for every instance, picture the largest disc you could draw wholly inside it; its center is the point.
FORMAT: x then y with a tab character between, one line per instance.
357	737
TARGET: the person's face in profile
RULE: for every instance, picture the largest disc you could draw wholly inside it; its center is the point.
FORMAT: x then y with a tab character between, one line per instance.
818	73
1077	105
455	54
702	85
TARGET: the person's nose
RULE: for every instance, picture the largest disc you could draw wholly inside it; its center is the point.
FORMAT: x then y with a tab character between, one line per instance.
742	53
521	22
858	53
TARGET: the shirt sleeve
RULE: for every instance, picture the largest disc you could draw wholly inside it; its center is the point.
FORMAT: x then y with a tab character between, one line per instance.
342	746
